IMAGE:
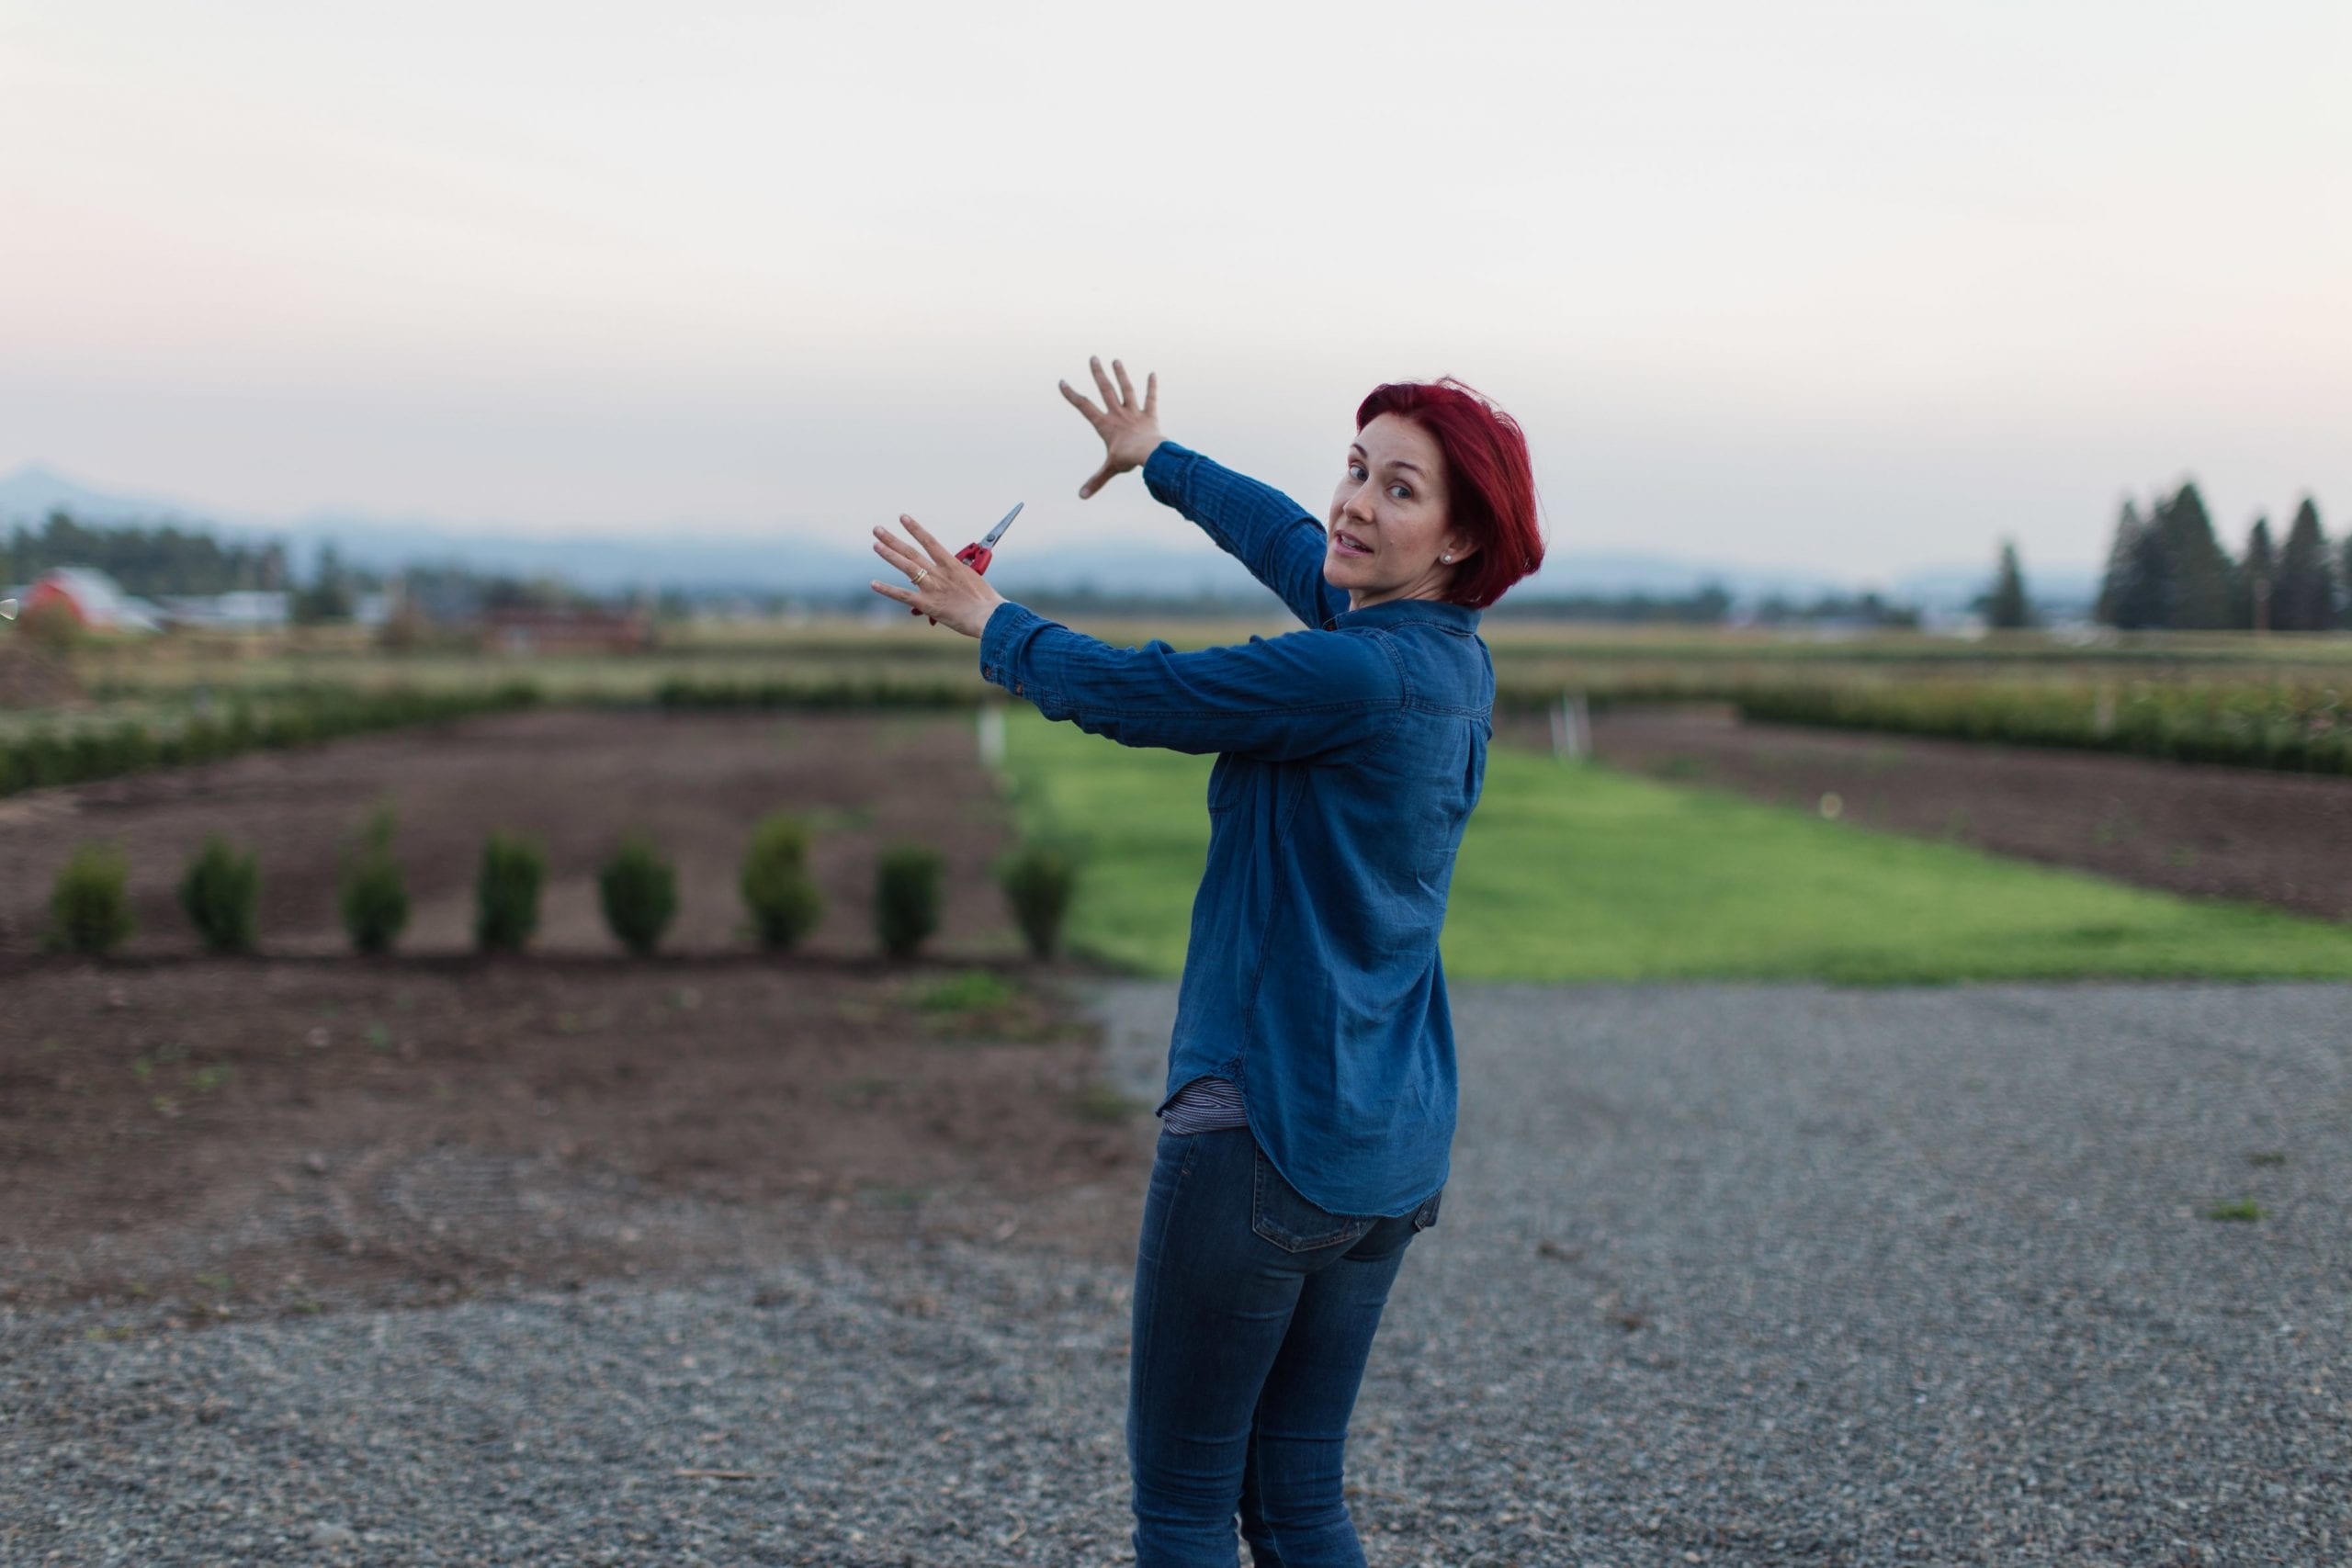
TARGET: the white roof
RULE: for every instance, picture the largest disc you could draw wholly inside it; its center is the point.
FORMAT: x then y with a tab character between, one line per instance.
101	598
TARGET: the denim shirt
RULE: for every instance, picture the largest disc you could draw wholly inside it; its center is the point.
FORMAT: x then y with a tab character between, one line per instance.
1349	758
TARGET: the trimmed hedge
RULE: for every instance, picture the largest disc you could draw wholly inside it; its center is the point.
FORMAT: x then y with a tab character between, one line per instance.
373	899
299	717
903	690
639	891
783	899
506	893
2285	727
89	907
1039	880
906	898
222	896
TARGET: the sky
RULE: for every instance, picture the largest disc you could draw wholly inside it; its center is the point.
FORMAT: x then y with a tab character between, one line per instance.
1849	287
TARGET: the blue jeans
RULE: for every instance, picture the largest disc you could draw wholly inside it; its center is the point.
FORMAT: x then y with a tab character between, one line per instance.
1254	1315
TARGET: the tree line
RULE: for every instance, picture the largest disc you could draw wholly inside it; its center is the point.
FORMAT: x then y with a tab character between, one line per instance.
164	559
2168	570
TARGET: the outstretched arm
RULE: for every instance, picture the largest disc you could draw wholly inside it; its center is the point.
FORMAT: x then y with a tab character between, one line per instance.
1307	696
1301	697
1271	535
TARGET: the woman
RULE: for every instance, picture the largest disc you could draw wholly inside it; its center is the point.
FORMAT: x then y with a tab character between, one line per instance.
1311	1084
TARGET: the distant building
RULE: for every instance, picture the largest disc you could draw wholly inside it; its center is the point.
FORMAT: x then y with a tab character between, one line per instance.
92	598
245	610
567	630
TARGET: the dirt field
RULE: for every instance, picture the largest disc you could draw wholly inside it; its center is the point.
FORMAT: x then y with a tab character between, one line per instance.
306	1129
2209	832
218	1138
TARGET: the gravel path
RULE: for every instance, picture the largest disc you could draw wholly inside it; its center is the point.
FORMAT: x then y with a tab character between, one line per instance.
1726	1275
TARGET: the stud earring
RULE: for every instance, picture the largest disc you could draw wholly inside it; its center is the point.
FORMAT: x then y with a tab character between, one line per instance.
1447	557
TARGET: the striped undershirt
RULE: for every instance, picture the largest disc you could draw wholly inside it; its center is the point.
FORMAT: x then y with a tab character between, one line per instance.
1206	1105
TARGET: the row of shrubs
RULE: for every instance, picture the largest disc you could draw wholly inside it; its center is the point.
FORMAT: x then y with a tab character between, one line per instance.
878	689
2285	724
305	715
2291	727
220	893
301	716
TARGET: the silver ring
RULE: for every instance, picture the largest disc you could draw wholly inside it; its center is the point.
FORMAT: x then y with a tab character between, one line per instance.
916	580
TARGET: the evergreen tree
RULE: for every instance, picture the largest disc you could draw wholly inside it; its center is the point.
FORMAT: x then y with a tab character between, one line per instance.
2344	580
2127	596
329	597
2193	569
2005	605
2253	590
2305	599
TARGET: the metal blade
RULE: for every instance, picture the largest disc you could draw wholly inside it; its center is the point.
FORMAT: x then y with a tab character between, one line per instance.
998	531
8	609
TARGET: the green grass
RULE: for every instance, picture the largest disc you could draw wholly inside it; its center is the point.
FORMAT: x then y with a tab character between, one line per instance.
1581	873
968	991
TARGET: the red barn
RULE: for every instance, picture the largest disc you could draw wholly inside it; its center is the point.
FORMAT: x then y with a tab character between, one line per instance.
92	598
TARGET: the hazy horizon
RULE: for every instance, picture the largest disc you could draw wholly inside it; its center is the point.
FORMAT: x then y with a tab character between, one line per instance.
1834	288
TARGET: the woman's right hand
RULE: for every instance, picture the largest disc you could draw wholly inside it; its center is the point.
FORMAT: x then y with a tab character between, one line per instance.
1129	430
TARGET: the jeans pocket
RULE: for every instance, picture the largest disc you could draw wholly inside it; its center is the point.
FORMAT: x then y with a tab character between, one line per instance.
1426	1215
1278	1213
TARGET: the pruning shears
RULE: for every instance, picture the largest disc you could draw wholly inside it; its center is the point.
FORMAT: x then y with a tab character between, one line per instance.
977	555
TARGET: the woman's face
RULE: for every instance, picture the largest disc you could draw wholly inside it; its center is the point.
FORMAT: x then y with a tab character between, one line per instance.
1389	530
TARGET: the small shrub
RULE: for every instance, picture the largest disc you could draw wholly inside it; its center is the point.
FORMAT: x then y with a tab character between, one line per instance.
639	890
906	899
221	894
2243	1210
374	899
1038	882
506	893
778	888
89	908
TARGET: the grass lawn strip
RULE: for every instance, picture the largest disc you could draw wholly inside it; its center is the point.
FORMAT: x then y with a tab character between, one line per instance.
1581	873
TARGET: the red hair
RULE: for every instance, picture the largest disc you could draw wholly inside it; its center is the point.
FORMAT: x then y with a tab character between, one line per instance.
1489	483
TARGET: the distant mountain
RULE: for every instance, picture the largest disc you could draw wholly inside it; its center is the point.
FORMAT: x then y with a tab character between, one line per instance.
32	492
2058	590
704	563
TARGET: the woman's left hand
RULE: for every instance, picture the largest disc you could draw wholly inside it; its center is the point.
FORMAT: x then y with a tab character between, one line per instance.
939	586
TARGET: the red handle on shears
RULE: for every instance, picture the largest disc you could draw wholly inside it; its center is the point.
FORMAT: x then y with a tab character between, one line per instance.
975	556
979	552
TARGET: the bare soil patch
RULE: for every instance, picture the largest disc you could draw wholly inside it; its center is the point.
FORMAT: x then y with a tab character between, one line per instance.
217	1139
2208	831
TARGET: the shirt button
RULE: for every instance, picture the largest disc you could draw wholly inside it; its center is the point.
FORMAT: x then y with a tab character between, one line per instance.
1016	688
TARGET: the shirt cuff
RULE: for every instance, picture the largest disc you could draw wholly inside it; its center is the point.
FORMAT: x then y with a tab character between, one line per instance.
1166	473
1008	625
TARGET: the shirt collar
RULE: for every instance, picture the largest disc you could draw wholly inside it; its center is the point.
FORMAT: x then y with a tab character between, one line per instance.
1396	612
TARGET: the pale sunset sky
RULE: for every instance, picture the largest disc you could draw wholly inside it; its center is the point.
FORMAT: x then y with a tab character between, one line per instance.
1855	288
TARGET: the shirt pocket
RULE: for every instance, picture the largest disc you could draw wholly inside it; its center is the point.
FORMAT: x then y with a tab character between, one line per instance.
1280	1215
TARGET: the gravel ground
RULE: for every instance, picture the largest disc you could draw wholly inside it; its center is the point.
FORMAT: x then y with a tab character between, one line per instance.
1726	1275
